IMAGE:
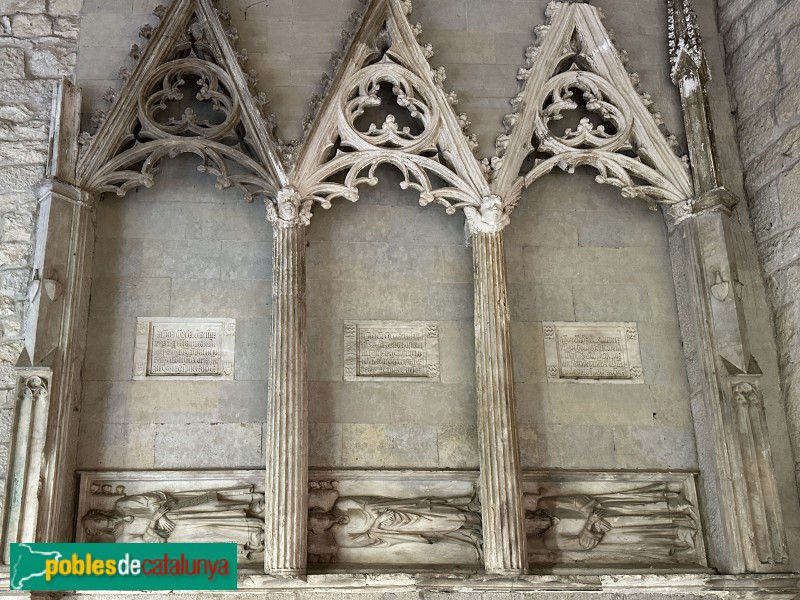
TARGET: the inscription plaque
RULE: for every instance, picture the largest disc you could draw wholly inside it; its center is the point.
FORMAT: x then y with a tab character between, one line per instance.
592	352
391	351
170	348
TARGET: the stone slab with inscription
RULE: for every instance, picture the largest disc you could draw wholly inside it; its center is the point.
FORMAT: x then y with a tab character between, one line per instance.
592	352
391	351
184	348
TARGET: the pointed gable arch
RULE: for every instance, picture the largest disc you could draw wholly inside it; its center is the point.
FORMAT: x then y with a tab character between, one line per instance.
420	135
228	133
574	63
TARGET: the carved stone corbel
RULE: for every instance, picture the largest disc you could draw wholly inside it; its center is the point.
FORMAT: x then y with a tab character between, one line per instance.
27	461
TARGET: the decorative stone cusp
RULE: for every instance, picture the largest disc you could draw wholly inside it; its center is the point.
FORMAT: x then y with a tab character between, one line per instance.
592	352
167	348
391	351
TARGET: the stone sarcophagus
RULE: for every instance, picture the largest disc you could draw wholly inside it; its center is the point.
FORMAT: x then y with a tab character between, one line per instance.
386	519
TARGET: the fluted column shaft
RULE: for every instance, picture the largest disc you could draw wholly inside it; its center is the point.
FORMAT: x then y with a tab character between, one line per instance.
287	434
501	490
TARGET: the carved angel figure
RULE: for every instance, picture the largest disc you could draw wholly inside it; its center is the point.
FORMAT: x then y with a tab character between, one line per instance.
650	523
367	521
231	515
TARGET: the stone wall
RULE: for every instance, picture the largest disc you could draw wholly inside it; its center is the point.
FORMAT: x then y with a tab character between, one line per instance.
763	68
38	46
180	249
578	251
163	235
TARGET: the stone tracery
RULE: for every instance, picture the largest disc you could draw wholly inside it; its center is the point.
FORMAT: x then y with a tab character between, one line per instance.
628	152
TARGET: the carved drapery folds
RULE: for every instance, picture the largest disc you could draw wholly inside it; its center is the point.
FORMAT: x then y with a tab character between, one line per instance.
188	93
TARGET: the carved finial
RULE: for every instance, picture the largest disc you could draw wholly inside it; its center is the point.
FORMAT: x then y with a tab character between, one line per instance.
684	39
289	209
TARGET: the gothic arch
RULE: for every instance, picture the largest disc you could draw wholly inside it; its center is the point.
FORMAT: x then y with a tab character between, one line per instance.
191	43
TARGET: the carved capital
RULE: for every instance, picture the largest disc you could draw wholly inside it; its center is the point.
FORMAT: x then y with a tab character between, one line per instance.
747	393
34	386
490	217
717	198
289	209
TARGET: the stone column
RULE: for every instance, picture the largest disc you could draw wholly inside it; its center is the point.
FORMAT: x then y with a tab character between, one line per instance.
500	479
744	518
27	459
287	420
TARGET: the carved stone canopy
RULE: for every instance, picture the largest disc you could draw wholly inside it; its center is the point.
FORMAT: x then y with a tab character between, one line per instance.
153	117
385	105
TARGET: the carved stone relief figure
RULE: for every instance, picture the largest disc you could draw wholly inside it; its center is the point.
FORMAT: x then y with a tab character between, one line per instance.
646	524
336	522
229	515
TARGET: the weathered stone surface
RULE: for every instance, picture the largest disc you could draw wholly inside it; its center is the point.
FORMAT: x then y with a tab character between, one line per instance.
62	8
15	254
20	179
8	7
17	227
51	63
31	25
12	63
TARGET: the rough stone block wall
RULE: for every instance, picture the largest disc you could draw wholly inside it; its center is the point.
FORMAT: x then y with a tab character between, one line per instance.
38	46
763	68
